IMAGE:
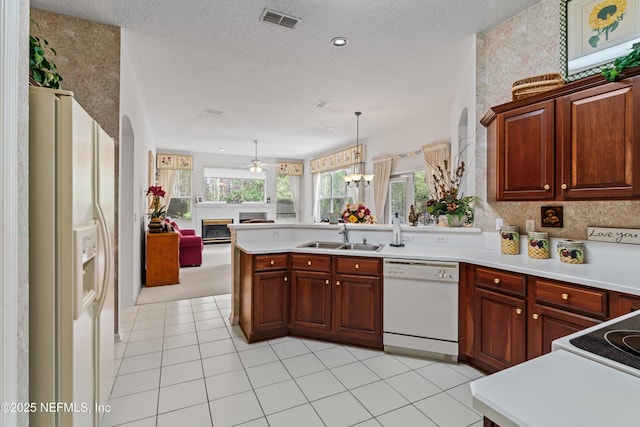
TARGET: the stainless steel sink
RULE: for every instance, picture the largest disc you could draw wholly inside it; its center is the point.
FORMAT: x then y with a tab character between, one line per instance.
322	245
342	246
361	247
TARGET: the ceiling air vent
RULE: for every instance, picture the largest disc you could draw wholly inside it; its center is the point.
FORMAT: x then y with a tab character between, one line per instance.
279	19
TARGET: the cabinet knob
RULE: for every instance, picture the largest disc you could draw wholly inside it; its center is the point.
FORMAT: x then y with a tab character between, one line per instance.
308	262
563	186
496	281
337	282
326	282
547	186
518	311
286	279
565	296
357	266
535	316
272	262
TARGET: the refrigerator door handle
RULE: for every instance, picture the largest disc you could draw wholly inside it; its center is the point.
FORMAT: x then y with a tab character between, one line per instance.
106	237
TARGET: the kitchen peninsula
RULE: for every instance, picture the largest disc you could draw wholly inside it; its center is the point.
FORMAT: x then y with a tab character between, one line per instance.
604	287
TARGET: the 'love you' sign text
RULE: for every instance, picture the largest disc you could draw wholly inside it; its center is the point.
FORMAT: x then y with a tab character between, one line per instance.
614	235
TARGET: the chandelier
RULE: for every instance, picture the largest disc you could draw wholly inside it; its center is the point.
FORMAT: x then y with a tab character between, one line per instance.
357	175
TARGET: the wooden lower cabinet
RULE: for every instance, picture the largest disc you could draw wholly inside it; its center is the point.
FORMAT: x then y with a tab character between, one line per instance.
623	304
500	330
264	296
310	301
271	301
357	308
162	259
547	324
337	298
515	317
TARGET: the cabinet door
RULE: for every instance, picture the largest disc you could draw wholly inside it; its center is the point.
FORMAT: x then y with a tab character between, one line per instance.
500	330
547	324
526	153
357	308
311	301
270	301
598	142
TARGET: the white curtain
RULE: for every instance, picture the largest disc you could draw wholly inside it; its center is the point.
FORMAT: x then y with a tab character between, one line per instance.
435	154
294	184
382	173
165	180
316	191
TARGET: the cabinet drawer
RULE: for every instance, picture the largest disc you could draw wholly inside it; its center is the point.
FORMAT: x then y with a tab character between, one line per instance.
356	265
592	301
501	281
311	262
270	262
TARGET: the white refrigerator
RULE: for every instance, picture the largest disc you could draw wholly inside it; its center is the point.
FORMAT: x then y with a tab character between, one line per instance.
71	295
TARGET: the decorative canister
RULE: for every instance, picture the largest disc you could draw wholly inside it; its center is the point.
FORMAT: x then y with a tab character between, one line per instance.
538	246
509	240
571	251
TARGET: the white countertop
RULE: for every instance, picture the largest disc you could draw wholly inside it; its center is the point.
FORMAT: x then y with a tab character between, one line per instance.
559	389
622	276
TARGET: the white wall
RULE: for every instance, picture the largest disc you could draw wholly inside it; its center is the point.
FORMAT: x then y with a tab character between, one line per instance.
465	97
133	185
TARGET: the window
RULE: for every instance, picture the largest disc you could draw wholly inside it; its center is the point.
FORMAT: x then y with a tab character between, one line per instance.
284	199
180	204
406	190
332	193
229	185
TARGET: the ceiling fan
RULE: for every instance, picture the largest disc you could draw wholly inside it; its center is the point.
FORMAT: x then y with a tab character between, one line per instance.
256	165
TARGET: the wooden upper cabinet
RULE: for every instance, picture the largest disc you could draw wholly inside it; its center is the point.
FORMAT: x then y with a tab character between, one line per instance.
598	142
577	142
526	153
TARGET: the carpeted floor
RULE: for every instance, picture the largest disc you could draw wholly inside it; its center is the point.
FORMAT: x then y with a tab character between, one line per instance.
213	277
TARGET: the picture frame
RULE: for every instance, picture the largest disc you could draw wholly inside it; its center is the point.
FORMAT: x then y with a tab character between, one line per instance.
551	216
595	32
184	162
199	200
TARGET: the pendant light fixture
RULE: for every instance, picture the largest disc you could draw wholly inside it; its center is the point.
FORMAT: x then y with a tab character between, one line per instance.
357	176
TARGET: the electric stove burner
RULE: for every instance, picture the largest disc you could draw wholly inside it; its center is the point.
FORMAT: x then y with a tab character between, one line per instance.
619	342
625	340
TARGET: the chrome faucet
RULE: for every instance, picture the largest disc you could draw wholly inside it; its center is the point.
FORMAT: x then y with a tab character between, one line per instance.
345	233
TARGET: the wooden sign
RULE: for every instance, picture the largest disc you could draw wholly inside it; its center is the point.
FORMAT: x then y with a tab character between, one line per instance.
614	235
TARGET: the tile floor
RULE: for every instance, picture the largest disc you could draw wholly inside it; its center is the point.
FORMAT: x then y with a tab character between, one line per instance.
182	364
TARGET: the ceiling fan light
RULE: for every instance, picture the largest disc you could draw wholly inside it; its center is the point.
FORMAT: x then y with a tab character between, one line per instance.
255	169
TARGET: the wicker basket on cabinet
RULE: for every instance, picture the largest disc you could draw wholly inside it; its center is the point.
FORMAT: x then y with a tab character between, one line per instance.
536	84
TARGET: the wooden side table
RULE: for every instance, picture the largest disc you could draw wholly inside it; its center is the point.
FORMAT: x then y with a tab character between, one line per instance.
162	259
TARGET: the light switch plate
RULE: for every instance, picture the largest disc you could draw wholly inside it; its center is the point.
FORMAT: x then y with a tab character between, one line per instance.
499	223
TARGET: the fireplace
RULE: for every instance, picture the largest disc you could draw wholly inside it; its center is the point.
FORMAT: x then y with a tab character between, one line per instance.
216	230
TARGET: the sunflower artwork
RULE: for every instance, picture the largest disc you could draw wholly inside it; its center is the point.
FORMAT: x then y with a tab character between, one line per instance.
604	18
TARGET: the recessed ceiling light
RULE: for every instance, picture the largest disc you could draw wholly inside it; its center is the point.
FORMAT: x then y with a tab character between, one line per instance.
212	111
321	104
221	149
339	41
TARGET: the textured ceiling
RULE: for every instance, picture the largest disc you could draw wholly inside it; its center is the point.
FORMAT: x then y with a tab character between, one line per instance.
400	66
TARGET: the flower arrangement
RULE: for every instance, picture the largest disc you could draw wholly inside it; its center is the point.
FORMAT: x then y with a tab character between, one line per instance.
357	214
157	210
447	200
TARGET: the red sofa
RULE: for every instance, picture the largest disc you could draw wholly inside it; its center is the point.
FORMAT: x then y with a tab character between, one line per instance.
190	246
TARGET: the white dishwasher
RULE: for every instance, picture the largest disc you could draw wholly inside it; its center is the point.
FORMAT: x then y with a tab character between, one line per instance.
420	308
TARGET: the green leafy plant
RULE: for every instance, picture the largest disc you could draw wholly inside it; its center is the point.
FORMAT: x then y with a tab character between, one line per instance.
42	70
632	59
